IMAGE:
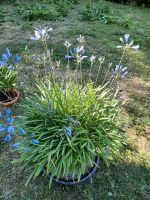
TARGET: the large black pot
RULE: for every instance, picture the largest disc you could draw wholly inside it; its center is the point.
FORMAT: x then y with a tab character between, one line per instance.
84	177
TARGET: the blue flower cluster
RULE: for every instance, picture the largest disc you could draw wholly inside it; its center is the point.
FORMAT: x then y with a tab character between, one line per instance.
72	123
6	125
120	72
9	60
24	144
74	52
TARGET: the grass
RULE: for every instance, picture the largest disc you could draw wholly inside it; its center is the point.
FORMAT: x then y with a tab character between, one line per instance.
128	179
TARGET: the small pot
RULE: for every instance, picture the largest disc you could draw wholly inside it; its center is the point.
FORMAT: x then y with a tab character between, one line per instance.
4	101
86	176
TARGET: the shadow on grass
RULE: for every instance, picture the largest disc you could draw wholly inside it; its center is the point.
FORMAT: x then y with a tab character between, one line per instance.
123	180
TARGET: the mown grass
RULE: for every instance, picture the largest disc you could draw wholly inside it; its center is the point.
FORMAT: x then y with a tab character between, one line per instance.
128	179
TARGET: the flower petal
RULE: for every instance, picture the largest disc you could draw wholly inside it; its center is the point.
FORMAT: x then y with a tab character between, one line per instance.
7	112
22	131
35	142
135	47
7	138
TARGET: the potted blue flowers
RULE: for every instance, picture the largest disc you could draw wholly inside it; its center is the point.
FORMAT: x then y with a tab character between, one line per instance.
67	124
71	128
8	78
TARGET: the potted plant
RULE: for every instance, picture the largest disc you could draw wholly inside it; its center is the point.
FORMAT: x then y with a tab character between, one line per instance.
8	78
68	124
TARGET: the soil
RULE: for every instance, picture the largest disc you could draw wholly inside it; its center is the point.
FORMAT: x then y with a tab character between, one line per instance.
7	96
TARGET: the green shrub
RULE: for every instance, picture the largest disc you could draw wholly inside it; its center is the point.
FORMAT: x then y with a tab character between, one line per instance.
100	12
63	8
38	12
126	23
91	114
47	10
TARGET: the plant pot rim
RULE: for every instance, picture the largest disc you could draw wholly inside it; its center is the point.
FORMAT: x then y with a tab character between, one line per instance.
10	103
84	177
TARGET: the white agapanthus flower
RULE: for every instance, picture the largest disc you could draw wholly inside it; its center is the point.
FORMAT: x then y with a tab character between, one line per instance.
41	33
81	39
67	44
127	43
92	59
80	49
101	59
80	58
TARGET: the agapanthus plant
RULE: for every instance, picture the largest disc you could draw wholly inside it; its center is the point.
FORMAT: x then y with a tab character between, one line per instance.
6	125
71	122
8	74
72	125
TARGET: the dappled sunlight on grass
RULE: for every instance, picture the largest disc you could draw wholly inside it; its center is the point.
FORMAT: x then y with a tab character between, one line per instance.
123	180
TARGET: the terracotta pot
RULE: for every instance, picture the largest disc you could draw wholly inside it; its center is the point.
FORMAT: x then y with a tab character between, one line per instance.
14	94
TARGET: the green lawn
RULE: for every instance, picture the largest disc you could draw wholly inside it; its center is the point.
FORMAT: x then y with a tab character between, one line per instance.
128	179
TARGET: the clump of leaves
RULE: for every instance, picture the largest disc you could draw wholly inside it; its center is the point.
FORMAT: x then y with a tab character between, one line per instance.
100	12
126	23
73	124
46	10
39	11
8	78
63	7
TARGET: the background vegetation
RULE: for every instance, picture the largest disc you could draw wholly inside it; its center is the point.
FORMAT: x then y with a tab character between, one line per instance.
123	180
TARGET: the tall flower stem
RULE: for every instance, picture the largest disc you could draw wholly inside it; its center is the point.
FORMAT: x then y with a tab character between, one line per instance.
110	64
124	50
90	71
81	73
100	66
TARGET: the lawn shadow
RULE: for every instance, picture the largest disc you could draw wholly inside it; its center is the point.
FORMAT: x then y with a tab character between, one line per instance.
123	180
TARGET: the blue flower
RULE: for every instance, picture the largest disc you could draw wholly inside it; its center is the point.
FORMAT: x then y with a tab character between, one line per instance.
9	60
16	145
7	138
22	131
41	34
17	59
32	135
7	112
10	67
68	57
2	63
40	109
120	72
124	75
36	142
76	122
1	115
4	57
10	129
8	53
68	131
69	118
10	120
